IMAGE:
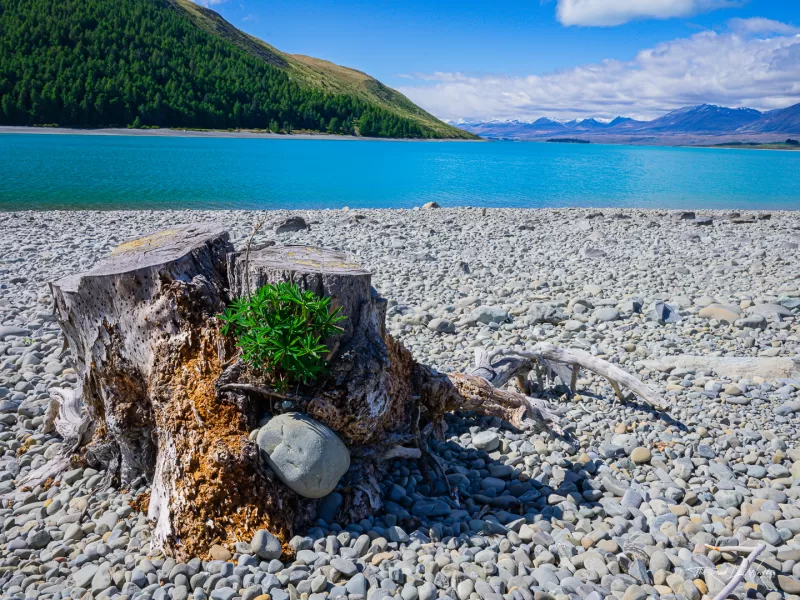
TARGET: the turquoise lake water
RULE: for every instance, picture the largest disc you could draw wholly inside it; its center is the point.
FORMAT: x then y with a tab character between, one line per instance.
110	172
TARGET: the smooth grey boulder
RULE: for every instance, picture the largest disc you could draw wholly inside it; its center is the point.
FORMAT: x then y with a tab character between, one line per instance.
488	314
265	545
770	311
305	454
486	440
606	313
441	325
542	312
729	498
662	313
290	225
726	313
787	408
592	252
752	322
12	330
85	575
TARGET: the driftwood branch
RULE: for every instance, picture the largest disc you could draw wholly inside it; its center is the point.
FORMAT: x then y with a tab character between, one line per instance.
260	390
257	225
497	368
402	452
66	414
549	355
731	549
461	391
743	568
500	372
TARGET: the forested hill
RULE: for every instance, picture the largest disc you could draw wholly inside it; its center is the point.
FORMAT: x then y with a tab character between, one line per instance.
170	63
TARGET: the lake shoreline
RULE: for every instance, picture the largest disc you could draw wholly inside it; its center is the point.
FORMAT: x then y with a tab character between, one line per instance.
251	134
787	148
211	133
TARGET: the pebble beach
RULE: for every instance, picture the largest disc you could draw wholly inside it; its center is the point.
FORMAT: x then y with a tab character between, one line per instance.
631	502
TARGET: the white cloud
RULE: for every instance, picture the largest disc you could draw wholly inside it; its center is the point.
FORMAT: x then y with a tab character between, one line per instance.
761	26
608	13
210	2
730	69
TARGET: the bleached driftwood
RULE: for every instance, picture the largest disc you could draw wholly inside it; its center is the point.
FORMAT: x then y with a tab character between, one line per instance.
66	414
402	452
743	568
566	363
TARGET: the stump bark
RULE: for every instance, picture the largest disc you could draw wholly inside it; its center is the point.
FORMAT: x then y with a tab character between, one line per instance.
166	399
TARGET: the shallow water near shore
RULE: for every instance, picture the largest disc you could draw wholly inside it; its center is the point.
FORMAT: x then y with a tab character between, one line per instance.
119	172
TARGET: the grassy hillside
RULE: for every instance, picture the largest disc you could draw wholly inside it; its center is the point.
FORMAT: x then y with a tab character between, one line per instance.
321	74
170	63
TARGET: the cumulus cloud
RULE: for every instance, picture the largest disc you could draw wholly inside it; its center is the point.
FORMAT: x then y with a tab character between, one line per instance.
734	68
608	13
761	26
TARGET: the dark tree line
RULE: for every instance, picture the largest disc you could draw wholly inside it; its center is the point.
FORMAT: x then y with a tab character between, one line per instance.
101	63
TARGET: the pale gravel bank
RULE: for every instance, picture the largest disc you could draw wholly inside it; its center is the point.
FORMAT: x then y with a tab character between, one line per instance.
207	133
622	507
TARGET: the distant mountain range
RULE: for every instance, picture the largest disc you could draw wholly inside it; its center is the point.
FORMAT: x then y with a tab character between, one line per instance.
693	124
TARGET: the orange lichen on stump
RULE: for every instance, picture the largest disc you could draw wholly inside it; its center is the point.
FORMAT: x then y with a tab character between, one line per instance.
221	493
141	503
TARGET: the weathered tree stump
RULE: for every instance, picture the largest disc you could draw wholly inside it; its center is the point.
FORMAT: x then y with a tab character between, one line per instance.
167	400
148	351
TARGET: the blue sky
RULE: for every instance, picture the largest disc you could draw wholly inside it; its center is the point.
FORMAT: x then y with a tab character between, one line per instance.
562	58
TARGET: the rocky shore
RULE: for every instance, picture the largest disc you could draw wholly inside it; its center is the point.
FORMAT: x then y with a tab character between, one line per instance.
704	308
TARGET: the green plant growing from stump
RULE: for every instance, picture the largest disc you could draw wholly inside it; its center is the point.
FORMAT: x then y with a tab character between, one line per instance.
281	332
